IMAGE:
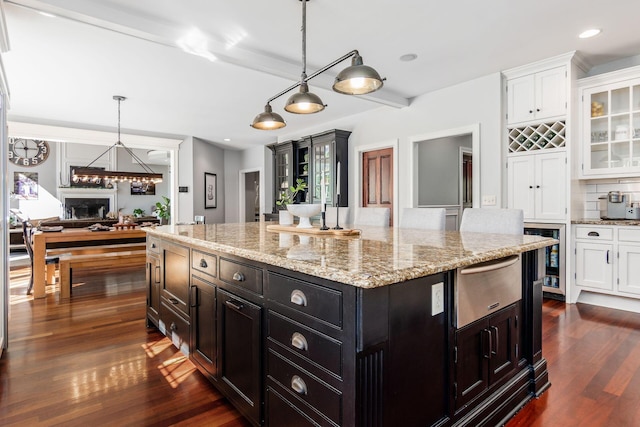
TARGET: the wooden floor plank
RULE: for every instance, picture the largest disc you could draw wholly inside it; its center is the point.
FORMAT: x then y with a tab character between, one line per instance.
91	361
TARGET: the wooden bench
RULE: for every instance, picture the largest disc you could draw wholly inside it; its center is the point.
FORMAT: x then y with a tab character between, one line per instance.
85	250
110	259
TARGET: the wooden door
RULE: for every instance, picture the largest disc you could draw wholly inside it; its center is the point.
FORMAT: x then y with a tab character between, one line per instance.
377	180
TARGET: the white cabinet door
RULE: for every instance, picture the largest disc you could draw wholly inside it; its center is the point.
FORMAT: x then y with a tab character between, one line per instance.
520	99
521	184
550	186
551	93
594	265
537	185
629	269
538	96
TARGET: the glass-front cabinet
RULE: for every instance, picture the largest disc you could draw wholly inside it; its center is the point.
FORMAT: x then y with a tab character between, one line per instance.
320	160
611	129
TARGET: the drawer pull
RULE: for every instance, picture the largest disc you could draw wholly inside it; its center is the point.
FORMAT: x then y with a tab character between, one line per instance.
238	277
174	301
298	385
234	305
203	263
173	327
593	234
153	246
299	298
299	341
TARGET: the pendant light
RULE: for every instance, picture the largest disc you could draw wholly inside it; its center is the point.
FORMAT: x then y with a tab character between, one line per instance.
89	174
357	79
304	102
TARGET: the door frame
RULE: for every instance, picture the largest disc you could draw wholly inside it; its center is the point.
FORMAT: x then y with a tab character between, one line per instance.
241	192
357	198
474	131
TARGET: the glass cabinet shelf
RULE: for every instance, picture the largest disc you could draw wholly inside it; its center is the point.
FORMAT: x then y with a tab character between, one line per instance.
611	128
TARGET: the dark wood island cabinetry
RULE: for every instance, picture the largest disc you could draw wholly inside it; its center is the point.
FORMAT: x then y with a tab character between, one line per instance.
349	332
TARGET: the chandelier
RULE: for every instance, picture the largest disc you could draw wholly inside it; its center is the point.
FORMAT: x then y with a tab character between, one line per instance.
357	79
89	174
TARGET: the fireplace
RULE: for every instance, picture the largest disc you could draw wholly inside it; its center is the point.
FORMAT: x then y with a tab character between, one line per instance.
83	208
84	203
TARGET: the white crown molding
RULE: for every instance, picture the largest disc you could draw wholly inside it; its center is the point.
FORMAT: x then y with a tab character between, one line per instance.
84	136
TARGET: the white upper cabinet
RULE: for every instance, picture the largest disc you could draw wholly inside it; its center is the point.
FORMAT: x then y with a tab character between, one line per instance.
610	124
537	96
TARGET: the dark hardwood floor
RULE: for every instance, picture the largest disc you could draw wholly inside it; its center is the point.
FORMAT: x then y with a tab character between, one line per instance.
594	368
92	361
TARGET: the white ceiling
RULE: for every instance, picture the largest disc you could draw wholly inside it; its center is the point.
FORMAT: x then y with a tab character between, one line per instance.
65	70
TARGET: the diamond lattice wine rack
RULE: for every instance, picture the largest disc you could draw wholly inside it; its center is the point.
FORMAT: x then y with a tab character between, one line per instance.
542	136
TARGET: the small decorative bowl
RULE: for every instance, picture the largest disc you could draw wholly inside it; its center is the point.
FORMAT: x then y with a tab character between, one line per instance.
304	212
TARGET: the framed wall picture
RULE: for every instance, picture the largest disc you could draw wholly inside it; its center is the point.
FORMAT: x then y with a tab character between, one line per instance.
25	185
210	191
143	188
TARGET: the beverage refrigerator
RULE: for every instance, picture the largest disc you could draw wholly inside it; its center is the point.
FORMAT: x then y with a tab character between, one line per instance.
553	285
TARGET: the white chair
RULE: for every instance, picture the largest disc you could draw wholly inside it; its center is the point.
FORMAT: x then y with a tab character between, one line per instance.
500	221
199	219
423	218
378	217
330	216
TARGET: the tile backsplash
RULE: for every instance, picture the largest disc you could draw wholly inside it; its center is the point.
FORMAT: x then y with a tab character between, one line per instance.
596	190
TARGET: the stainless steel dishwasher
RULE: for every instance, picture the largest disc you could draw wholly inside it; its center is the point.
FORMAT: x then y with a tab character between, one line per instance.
484	288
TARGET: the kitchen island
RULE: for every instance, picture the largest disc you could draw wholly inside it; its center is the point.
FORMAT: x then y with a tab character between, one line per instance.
349	330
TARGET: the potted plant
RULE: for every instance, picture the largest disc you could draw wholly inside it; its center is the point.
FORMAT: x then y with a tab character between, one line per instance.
163	210
138	212
288	196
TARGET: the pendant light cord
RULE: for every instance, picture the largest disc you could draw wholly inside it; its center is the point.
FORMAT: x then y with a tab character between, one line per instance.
304	42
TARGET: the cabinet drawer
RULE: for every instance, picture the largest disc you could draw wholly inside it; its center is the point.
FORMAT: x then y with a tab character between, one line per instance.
153	244
315	301
204	262
594	233
310	344
629	234
244	276
175	327
301	384
282	413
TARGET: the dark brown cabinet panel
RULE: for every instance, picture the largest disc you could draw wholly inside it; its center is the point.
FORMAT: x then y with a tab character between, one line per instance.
203	326
175	283
484	353
239	353
153	280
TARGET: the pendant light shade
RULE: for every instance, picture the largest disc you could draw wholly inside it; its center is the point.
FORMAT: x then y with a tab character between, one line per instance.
304	102
268	120
357	79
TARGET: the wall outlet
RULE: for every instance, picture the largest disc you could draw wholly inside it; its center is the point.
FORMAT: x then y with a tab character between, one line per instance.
437	298
488	200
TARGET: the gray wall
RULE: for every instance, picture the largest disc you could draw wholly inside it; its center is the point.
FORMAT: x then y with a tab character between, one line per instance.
208	158
438	170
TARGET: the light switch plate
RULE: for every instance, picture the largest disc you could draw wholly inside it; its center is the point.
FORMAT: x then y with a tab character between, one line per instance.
489	200
437	298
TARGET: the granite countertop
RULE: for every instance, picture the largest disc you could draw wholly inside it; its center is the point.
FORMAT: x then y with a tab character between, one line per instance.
378	257
632	222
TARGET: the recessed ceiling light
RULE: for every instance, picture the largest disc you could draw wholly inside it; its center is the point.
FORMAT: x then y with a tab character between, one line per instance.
589	33
408	57
227	139
47	14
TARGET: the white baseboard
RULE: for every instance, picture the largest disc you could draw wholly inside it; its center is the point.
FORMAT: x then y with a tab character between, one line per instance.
610	301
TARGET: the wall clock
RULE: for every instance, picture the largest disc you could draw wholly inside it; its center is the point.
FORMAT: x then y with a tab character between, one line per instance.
28	152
